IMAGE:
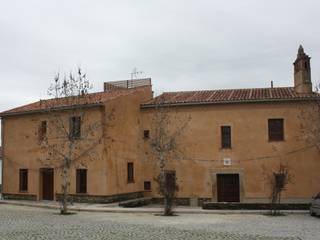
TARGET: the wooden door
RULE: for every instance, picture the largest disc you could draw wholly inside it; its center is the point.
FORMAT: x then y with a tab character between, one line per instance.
47	184
228	188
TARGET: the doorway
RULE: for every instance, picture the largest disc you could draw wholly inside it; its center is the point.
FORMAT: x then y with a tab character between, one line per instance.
47	183
228	187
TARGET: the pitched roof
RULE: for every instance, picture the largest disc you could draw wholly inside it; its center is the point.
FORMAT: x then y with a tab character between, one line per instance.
230	96
92	99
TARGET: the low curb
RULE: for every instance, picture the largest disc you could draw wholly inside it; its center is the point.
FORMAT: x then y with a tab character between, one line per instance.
148	210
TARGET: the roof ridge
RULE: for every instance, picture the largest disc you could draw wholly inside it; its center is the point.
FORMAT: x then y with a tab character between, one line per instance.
226	89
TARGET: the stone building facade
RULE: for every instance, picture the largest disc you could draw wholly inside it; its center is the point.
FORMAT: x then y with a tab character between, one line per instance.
233	141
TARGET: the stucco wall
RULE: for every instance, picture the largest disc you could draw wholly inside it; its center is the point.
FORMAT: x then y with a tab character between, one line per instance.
253	156
118	119
22	150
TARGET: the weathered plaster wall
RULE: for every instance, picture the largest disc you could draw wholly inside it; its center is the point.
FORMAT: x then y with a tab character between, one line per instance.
252	154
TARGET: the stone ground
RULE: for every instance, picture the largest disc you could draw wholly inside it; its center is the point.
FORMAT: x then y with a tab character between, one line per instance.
18	222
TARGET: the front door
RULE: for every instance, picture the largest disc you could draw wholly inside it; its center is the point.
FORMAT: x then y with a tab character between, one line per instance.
47	184
228	187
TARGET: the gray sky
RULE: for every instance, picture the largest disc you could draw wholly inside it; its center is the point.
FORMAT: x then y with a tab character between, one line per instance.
182	45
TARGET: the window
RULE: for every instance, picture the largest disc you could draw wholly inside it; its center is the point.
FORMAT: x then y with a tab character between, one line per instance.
275	129
130	172
75	127
23	180
81	180
147	186
146	134
42	130
225	137
170	181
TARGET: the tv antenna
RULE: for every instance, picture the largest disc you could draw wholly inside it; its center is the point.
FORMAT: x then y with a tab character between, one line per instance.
135	74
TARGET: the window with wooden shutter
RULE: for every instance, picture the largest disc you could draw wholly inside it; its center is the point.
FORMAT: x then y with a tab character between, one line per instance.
130	170
170	181
146	134
147	186
225	137
75	127
276	130
23	180
81	180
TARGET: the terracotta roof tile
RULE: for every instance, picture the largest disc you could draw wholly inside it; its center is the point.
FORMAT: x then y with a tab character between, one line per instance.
230	96
86	100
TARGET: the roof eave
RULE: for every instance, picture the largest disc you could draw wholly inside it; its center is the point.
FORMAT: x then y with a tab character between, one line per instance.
2	115
228	102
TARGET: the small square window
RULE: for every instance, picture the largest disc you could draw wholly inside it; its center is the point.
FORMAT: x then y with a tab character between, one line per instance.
146	134
147	186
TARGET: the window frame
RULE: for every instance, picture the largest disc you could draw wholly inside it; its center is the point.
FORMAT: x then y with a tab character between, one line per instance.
146	134
224	144
23	179
275	135
43	129
147	185
81	187
75	127
130	172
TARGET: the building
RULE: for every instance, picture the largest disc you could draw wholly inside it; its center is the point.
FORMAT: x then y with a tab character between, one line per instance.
0	169
234	139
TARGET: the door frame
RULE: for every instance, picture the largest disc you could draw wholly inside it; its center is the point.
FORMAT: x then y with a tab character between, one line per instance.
214	176
42	170
221	178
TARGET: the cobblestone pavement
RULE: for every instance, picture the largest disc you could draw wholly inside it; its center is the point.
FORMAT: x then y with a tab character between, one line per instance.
33	223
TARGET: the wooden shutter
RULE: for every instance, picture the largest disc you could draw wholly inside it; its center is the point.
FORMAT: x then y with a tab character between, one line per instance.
42	130
170	181
147	185
130	170
81	181
225	136
75	127
276	130
23	180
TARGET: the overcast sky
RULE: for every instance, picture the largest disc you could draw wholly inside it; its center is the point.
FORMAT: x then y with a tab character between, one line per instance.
181	45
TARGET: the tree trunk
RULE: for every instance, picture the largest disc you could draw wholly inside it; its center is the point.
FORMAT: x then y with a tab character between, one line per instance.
168	206
64	205
164	191
65	183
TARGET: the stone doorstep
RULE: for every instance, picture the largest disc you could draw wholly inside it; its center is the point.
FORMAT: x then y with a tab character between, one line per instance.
155	210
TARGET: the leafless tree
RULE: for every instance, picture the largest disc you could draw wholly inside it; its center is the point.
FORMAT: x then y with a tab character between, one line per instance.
278	180
166	128
69	137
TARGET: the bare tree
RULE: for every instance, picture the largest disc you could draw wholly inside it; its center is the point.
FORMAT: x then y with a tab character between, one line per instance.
278	180
166	128
69	137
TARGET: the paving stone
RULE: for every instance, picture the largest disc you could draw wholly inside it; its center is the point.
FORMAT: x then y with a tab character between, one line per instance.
17	222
